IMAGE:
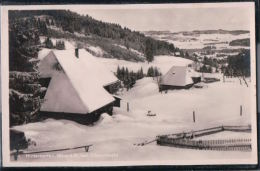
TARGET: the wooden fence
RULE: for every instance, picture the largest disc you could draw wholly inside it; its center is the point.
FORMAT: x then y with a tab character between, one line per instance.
185	139
208	131
221	145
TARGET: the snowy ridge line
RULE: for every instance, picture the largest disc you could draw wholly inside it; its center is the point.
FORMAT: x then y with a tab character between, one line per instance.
54	150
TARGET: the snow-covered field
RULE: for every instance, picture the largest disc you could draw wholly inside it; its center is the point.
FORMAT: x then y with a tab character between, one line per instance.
198	41
113	137
201	44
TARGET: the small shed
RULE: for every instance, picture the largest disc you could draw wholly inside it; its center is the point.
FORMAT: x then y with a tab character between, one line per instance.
178	77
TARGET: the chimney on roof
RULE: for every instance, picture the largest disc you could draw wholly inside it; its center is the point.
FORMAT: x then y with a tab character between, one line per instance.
77	52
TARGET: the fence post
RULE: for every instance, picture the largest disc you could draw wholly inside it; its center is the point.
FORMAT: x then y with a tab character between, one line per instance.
241	111
194	117
240	81
16	155
86	148
127	106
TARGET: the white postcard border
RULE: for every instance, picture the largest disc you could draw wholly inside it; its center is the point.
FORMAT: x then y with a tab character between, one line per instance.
5	87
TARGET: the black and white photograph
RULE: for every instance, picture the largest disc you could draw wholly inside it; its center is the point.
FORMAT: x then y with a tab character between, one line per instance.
129	84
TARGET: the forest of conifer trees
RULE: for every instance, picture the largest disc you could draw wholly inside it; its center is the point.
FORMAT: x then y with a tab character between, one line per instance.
25	90
70	22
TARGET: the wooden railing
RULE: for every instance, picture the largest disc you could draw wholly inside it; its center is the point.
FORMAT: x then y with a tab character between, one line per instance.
229	144
185	139
208	131
17	152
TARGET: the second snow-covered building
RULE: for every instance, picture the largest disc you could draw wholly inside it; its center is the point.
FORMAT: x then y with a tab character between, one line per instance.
179	77
78	86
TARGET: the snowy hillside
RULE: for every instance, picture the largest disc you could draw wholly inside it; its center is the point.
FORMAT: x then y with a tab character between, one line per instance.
161	83
185	101
163	62
124	129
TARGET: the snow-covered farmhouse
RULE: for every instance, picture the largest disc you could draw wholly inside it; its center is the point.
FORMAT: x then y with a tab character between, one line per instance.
179	77
79	88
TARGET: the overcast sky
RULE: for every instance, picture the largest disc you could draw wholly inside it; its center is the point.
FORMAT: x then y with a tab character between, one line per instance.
183	18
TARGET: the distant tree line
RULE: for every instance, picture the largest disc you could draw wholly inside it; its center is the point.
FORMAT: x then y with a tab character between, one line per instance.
205	69
208	65
153	72
240	42
185	54
149	50
129	77
210	61
238	65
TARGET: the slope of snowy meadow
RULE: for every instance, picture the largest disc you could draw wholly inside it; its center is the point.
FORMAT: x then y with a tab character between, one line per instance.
215	104
113	137
163	62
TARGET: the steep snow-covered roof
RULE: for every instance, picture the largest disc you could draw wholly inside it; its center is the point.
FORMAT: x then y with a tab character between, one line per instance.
87	75
61	96
43	53
86	63
177	76
46	65
85	60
